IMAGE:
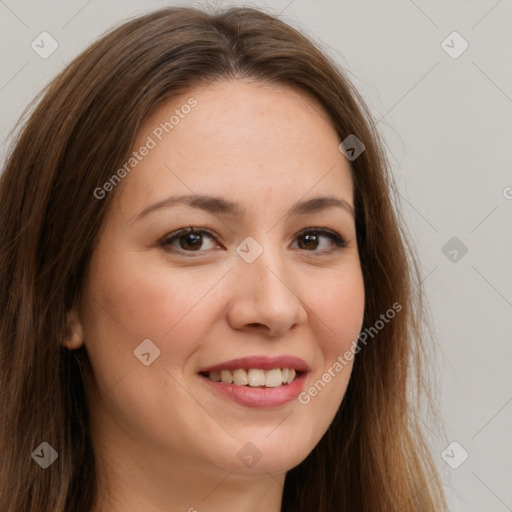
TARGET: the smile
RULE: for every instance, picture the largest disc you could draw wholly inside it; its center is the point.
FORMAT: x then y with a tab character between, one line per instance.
259	381
255	377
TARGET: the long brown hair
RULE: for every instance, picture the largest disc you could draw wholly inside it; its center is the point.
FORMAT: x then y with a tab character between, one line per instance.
373	456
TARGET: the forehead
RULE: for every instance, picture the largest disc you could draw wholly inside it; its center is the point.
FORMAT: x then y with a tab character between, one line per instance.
240	140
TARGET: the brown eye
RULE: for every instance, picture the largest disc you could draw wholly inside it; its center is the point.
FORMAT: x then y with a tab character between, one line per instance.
189	240
311	239
193	240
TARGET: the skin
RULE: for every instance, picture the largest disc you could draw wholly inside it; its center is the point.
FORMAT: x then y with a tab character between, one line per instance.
164	440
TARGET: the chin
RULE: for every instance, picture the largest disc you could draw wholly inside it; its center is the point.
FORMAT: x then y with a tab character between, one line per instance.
264	456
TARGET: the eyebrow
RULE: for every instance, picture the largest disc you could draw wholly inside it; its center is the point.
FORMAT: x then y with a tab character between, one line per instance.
220	206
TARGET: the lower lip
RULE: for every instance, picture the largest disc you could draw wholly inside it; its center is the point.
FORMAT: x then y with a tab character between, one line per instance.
259	397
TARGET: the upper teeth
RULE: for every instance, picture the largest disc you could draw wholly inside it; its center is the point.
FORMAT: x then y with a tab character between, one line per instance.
255	377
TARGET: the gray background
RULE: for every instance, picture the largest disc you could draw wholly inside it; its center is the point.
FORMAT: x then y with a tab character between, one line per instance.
448	125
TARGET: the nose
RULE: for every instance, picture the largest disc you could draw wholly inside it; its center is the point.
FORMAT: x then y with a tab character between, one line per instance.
265	297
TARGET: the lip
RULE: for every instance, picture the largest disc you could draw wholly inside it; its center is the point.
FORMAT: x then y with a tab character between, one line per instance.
261	362
259	397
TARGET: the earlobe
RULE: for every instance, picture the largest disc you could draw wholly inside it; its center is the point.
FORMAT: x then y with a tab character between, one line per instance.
75	334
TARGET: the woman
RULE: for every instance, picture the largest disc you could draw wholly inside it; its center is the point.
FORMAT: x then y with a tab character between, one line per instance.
268	370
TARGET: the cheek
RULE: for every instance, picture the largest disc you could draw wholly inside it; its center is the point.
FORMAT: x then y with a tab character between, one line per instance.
339	309
339	305
131	300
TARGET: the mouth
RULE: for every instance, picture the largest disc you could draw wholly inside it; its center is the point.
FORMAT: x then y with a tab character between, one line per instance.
258	381
255	377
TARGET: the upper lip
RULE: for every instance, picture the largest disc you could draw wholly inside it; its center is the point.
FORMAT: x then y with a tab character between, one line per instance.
261	362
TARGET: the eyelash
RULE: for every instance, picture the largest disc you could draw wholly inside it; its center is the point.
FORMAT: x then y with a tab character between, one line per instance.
338	240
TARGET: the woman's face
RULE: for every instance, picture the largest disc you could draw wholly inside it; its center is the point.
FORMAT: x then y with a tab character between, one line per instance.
160	310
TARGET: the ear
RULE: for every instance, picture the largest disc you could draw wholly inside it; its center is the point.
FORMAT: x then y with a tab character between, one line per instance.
75	332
